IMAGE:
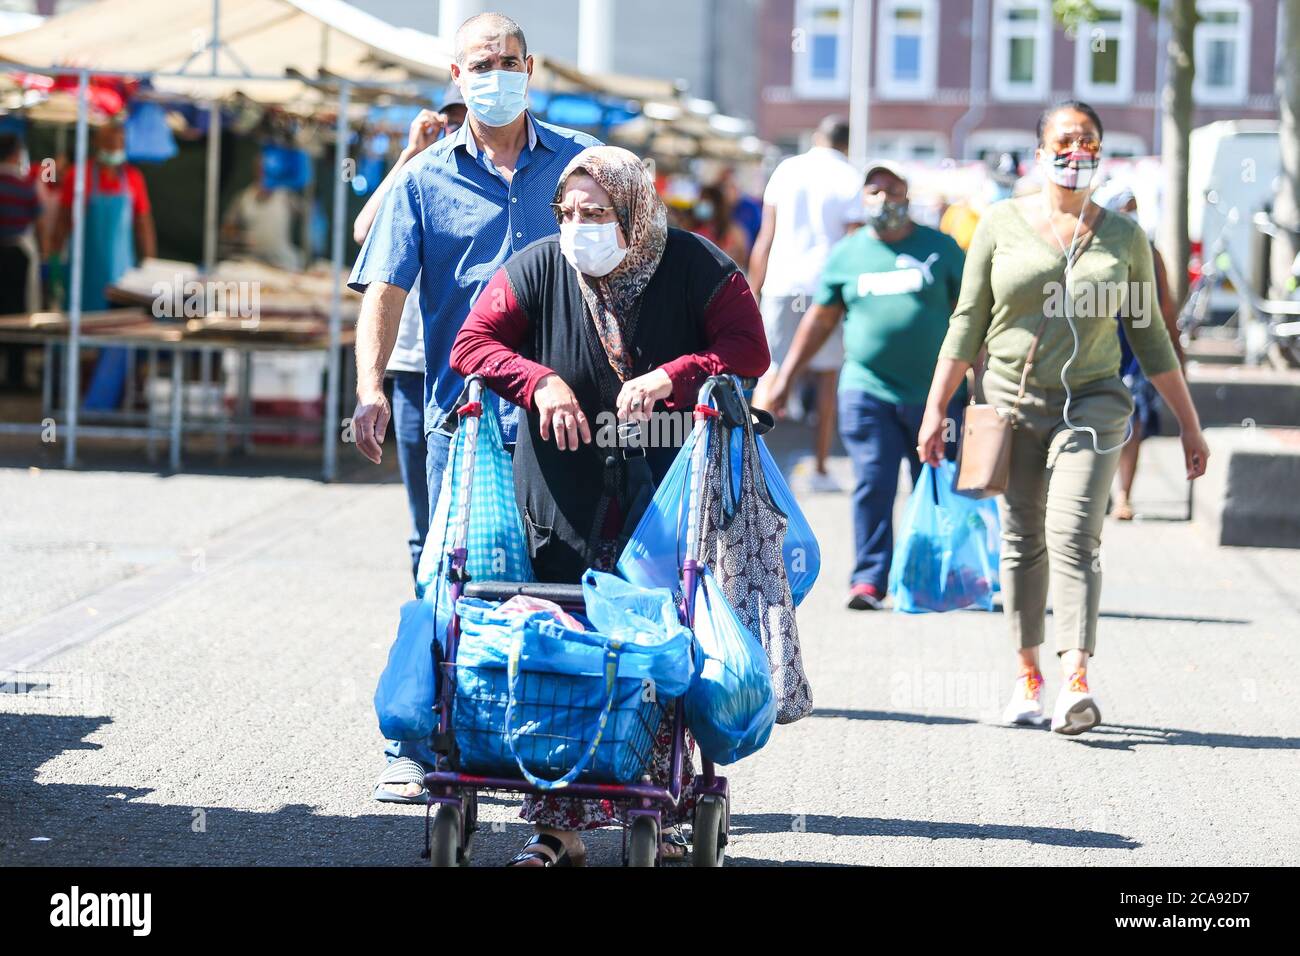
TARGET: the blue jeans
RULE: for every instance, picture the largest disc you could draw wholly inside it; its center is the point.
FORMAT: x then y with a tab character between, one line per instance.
879	436
438	450
408	428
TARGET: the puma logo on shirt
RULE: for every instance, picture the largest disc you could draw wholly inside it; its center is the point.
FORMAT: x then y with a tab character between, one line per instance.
910	275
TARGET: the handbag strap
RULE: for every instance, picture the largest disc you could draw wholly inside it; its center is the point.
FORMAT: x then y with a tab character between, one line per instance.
612	652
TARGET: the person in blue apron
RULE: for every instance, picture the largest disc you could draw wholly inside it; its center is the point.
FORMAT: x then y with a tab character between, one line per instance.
119	225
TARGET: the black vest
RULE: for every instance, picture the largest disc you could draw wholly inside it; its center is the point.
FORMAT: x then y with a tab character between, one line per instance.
564	496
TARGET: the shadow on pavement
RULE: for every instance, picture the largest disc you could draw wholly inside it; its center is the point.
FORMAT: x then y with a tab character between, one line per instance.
930	830
114	826
1128	736
889	715
107	825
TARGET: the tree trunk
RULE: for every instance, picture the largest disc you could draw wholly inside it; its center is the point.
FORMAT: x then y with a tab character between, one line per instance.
1175	139
1286	204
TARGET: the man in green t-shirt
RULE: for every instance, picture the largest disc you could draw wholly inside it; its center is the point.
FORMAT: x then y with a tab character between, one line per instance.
894	283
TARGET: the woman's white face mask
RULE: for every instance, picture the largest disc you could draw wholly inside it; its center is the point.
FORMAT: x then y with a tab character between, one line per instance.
591	247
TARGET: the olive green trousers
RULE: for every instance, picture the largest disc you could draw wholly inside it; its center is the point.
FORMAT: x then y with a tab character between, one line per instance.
1055	504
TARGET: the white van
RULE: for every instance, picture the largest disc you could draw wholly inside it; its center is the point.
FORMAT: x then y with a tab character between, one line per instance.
1234	164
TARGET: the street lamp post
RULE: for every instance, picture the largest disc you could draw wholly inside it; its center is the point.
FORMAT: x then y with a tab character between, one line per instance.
860	82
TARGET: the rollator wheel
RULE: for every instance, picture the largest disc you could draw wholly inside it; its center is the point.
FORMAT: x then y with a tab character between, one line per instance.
709	841
643	842
444	837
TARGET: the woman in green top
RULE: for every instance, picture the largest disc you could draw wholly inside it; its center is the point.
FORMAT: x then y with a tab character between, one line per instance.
1055	262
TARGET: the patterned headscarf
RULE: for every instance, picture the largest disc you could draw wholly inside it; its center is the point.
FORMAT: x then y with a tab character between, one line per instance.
613	299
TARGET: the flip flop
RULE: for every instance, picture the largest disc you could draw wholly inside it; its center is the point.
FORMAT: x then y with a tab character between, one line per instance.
402	770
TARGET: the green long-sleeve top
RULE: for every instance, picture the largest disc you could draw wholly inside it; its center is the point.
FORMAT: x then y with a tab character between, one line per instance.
1013	277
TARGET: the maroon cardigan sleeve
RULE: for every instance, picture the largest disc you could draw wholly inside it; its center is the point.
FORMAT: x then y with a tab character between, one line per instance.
488	344
734	342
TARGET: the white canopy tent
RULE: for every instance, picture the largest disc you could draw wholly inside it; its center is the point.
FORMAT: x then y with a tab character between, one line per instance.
303	55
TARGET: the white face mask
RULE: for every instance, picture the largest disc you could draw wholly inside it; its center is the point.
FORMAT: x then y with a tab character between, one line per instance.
591	247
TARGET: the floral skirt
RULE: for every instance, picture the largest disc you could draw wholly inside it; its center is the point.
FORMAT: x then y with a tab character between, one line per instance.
568	813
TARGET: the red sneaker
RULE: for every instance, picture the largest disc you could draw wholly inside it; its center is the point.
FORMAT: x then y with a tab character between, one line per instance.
865	597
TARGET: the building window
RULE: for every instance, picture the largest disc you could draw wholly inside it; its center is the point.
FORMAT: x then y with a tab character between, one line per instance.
1022	49
906	49
1222	50
820	43
1103	57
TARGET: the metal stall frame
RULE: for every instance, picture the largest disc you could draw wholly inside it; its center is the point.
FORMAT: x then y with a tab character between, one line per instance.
344	87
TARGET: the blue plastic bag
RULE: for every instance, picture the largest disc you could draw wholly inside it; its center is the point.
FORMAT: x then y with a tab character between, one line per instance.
404	696
654	554
731	705
148	137
558	705
993	539
802	556
941	555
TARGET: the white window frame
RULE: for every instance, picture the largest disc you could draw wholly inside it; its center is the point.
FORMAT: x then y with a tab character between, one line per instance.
805	85
1125	32
887	87
1003	33
1205	32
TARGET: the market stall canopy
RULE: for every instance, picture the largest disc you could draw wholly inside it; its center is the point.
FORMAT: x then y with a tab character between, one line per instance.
257	39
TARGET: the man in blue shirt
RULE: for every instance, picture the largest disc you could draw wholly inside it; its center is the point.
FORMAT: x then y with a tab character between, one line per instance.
455	213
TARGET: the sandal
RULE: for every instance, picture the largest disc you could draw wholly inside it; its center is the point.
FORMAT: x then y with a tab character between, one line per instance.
550	850
673	846
1122	512
402	770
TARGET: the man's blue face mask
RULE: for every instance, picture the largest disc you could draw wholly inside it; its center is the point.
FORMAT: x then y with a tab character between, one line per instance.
497	97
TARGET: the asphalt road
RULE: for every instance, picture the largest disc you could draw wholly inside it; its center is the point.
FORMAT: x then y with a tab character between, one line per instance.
190	661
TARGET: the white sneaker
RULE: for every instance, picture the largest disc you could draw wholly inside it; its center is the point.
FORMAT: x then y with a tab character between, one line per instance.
822	483
1076	710
1026	707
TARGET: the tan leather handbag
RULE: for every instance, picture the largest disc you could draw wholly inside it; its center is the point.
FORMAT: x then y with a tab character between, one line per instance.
984	453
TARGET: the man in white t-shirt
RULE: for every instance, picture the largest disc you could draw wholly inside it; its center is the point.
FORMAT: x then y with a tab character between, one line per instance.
810	202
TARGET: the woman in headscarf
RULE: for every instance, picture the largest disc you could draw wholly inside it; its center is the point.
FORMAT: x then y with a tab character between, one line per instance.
618	315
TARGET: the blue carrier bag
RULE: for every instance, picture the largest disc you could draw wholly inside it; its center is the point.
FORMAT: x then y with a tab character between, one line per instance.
404	697
653	556
731	704
555	705
942	555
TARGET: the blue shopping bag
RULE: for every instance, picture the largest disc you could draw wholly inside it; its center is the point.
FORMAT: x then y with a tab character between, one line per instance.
407	689
731	704
495	537
653	555
941	553
802	556
405	694
993	538
556	705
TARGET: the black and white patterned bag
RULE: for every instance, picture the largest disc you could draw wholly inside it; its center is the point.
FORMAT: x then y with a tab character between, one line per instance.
741	541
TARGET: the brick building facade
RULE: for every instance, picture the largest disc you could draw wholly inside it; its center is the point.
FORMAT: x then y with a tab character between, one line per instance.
966	78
